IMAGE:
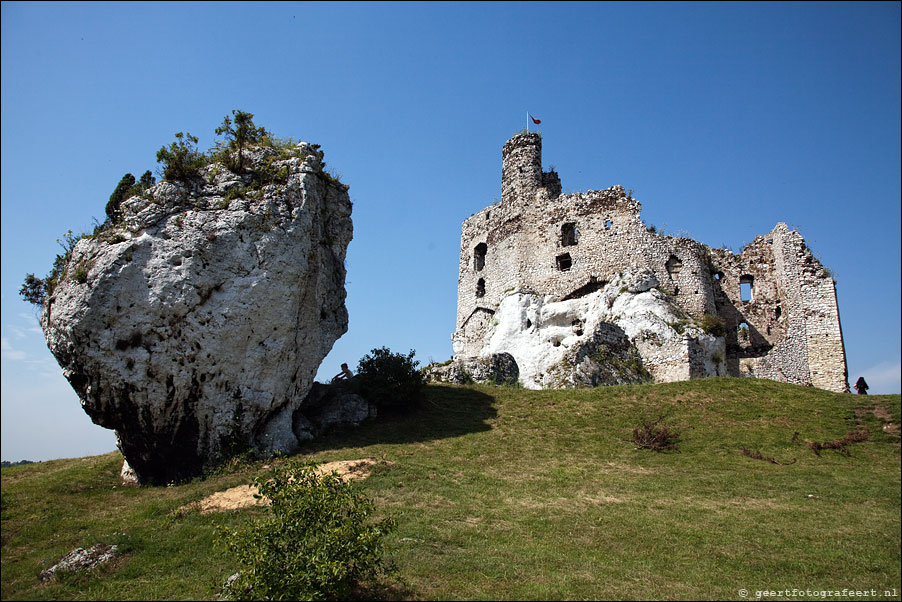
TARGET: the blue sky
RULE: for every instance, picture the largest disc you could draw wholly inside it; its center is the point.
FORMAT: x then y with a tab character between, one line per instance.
724	119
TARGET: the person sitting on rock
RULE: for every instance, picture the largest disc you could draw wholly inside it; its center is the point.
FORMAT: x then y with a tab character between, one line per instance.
345	374
861	386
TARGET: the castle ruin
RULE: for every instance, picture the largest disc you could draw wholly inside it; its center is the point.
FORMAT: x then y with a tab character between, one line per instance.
776	303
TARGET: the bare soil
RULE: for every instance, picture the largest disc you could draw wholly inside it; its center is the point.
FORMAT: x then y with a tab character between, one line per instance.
242	496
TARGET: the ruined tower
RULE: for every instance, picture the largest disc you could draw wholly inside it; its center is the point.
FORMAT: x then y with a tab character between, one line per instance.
567	247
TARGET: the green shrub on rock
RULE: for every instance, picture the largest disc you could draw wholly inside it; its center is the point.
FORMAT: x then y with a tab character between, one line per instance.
181	160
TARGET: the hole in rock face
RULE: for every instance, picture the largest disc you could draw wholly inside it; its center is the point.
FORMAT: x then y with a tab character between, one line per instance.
528	323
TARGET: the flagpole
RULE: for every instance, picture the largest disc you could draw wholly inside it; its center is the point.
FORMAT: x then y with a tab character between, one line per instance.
527	122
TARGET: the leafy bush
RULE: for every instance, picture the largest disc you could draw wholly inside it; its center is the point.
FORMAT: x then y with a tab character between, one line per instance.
35	290
713	325
317	542
182	159
390	380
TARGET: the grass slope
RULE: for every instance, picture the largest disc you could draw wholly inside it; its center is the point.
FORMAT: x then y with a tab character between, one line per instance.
504	493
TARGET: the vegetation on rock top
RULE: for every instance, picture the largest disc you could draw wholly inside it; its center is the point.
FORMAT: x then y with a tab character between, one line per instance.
181	161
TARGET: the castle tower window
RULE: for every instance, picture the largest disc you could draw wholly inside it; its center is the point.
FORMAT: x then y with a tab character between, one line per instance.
480	288
479	256
745	287
569	235
607	224
564	262
742	331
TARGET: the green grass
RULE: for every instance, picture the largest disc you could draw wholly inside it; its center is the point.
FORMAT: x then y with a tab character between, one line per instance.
505	493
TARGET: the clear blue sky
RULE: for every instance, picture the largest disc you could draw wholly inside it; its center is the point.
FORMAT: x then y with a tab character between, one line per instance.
723	118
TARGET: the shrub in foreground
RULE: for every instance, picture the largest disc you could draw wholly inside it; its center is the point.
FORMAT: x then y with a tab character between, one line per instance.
317	541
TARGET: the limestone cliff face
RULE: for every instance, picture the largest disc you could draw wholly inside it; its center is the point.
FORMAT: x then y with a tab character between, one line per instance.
199	324
627	331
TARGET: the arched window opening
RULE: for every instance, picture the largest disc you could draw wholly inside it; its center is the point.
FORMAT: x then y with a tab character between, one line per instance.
480	288
479	256
742	332
608	224
569	235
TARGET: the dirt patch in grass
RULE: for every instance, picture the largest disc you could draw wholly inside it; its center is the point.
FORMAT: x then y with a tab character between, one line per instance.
881	413
244	496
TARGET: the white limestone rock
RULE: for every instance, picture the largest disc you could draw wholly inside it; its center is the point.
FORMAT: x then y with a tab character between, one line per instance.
199	325
496	369
628	331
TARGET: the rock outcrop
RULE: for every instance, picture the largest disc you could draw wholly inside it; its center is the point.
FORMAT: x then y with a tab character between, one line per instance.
196	326
495	369
628	331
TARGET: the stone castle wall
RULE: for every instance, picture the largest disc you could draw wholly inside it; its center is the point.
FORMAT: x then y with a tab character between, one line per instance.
537	240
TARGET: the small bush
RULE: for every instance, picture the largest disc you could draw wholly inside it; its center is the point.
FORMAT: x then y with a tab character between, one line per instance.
240	133
389	380
181	160
33	290
649	435
317	542
713	325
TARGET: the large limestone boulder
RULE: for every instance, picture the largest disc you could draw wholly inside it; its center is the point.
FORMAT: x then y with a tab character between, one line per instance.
629	331
198	325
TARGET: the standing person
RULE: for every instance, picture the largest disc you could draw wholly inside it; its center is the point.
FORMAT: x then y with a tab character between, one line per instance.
861	386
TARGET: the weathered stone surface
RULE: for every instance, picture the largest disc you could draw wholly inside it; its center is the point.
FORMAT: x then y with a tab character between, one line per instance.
495	368
201	322
561	247
330	406
80	559
626	332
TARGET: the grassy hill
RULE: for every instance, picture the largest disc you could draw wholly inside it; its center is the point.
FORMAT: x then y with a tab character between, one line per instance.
505	493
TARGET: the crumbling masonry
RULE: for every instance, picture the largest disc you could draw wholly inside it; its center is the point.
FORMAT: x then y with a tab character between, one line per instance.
777	301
